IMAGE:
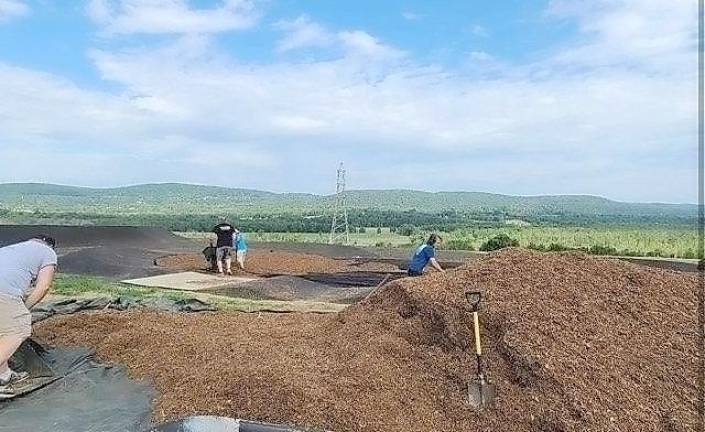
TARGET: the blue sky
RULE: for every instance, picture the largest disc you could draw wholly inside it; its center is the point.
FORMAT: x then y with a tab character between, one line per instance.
518	97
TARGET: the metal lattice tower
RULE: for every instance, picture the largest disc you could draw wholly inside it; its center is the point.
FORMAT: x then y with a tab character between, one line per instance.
339	228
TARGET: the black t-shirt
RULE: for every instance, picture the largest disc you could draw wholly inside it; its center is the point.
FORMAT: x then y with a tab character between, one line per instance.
224	231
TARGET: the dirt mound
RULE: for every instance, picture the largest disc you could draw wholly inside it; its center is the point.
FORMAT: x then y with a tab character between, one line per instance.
118	263
91	236
277	262
574	343
115	252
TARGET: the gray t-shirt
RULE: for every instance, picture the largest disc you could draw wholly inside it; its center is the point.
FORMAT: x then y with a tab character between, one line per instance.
20	263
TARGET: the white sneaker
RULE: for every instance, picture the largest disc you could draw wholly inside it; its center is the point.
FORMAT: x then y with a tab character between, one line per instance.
14	377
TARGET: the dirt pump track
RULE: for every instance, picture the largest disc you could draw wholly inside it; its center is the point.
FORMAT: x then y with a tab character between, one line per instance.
574	343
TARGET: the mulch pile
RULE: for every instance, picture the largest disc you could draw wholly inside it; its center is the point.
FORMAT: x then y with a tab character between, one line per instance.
574	343
269	261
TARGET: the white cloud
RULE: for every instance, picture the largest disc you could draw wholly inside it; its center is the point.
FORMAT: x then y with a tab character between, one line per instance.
362	43
650	34
411	16
479	31
303	33
480	56
13	9
170	16
564	123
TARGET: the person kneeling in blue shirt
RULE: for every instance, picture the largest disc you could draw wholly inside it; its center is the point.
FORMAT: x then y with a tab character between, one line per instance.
424	254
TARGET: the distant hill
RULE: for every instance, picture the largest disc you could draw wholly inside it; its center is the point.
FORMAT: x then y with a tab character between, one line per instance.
177	198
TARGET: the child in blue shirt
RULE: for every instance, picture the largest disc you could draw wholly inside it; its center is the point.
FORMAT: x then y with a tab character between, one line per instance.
240	245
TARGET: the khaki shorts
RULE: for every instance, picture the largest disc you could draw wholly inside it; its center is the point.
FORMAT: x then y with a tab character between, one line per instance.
15	319
223	252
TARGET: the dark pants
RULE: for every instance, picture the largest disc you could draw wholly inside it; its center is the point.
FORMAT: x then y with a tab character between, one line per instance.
414	273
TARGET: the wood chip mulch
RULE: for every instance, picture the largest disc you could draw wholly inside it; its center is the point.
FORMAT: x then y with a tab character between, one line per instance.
265	262
574	343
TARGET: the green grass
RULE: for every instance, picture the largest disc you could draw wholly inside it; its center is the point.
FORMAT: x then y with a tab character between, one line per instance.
76	285
69	285
667	242
647	240
368	238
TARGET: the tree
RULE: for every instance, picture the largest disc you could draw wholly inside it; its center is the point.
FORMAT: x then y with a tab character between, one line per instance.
407	230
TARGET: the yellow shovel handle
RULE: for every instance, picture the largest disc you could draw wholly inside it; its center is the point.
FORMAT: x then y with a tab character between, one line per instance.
478	347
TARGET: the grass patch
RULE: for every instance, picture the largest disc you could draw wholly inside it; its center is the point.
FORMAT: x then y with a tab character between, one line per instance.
76	285
70	285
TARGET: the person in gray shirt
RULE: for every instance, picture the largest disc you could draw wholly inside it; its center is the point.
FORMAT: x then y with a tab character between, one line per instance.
26	272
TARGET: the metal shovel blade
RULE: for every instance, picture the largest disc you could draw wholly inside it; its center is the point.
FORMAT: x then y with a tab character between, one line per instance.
481	393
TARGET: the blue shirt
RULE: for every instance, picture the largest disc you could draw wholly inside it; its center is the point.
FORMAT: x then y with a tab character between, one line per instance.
421	257
240	242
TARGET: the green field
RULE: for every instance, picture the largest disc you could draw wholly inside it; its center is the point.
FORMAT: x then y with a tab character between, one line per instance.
678	242
666	242
367	238
382	218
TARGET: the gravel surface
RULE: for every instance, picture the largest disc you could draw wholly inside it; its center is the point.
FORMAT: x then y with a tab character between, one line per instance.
574	343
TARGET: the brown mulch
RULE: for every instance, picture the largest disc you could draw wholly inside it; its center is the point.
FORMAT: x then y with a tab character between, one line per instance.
266	262
574	343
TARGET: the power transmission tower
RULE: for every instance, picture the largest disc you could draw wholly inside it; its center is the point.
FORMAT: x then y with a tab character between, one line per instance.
340	211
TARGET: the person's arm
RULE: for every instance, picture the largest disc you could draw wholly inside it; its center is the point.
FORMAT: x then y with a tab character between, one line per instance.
435	265
44	279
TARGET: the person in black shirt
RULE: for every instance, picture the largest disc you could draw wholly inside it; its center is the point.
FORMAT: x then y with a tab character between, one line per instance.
224	245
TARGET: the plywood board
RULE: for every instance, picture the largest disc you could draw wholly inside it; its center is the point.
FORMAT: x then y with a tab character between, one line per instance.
188	281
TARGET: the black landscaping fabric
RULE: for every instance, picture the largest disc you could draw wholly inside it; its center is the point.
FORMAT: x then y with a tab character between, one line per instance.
111	262
292	288
115	252
90	236
45	310
353	279
68	391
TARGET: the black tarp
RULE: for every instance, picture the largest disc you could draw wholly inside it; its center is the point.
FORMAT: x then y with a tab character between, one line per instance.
69	392
45	310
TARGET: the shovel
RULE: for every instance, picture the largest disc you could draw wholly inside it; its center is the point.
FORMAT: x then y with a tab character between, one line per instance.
481	392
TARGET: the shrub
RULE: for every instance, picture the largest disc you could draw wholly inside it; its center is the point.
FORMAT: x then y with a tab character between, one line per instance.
499	241
538	247
555	247
407	230
460	244
602	250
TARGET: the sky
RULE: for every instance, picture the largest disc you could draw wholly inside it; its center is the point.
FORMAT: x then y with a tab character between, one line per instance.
522	97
